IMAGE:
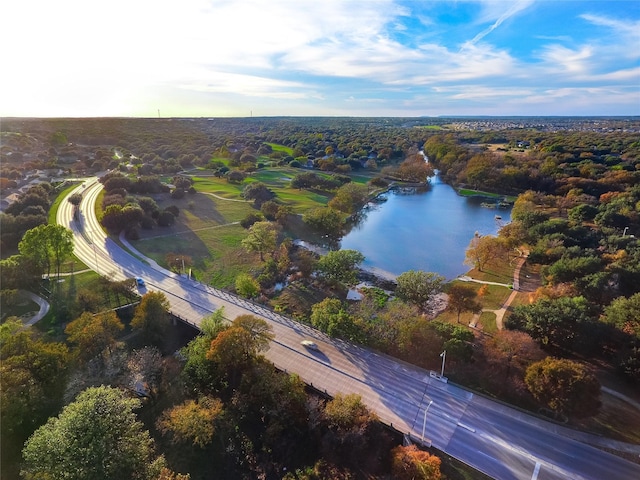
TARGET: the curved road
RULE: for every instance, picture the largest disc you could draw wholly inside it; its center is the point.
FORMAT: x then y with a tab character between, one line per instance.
495	439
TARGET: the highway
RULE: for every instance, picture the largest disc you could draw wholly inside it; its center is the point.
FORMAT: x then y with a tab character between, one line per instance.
500	441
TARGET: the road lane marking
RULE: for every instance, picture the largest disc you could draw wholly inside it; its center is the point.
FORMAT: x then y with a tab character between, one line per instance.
467	427
535	471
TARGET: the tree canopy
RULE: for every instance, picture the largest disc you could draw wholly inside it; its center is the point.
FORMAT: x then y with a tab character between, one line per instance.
565	386
340	265
95	437
419	288
261	238
151	317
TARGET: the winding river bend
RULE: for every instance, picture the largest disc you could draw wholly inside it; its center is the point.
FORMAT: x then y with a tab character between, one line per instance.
427	231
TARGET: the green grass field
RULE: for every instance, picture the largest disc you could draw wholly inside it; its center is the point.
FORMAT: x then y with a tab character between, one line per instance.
280	148
488	322
467	192
53	210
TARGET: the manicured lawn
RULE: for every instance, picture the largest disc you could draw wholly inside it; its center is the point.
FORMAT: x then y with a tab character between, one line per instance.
53	210
218	186
499	270
492	296
452	317
280	148
488	322
467	192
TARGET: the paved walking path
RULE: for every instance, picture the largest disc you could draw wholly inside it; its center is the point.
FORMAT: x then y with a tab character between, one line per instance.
503	309
42	303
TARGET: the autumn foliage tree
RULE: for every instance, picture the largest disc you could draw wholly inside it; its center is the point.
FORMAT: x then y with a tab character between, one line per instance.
151	317
565	386
192	421
32	379
483	249
411	463
462	298
353	433
93	334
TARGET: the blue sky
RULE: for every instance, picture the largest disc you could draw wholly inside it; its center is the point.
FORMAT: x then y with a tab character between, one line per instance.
322	57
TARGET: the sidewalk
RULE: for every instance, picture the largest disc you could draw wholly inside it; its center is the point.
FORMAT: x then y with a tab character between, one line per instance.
42	303
500	313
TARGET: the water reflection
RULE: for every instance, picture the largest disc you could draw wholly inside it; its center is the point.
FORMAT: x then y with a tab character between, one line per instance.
421	229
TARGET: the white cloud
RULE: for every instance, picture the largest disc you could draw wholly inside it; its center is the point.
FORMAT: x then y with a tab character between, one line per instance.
568	60
249	85
512	9
129	56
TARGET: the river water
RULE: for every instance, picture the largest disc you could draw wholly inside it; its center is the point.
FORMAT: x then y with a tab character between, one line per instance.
427	231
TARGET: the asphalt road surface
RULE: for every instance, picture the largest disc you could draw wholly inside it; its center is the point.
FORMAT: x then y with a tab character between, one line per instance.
500	441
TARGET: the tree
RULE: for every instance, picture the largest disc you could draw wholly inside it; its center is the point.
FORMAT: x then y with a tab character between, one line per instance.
95	437
261	238
92	334
260	332
352	432
18	271
60	244
349	198
192	421
75	199
165	218
462	298
331	317
565	322
415	169
32	379
275	404
270	209
230	353
35	246
258	192
151	317
247	286
249	219
347	412
624	313
213	324
325	221
565	386
483	249
418	287
410	463
340	265
235	176
508	353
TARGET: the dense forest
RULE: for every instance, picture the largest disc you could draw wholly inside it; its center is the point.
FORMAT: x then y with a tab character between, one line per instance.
214	399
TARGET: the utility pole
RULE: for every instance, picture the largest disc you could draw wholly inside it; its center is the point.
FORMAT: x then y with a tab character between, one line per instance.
424	422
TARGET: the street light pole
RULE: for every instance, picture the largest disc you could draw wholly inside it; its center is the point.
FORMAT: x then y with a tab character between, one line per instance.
182	271
444	356
424	422
624	233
